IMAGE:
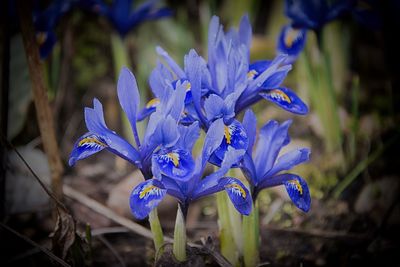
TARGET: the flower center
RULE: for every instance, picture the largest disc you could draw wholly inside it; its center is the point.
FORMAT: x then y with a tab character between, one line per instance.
279	95
152	103
174	157
227	134
90	140
297	185
251	74
291	36
237	189
41	37
148	190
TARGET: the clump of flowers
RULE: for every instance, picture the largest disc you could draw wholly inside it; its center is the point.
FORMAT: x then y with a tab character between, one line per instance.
205	95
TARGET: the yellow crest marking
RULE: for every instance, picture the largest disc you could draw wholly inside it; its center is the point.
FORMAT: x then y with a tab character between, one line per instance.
297	184
152	103
251	74
238	188
174	157
90	140
147	190
291	36
276	93
227	134
188	86
41	37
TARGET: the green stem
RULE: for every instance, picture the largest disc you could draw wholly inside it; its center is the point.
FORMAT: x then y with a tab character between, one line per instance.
156	229
251	233
323	97
354	110
179	247
120	53
228	246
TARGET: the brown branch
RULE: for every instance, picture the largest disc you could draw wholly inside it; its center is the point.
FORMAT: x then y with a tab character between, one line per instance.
43	111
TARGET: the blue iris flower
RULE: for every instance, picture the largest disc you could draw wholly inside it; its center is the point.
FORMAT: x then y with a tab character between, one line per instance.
225	85
291	42
314	14
263	168
45	22
148	194
124	19
160	145
229	75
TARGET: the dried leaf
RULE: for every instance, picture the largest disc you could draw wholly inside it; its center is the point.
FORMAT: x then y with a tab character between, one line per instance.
64	234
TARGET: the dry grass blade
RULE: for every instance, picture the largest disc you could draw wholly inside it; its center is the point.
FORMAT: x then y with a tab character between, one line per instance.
33	243
64	232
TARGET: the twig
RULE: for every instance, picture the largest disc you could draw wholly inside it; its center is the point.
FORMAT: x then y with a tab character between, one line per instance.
59	204
43	111
113	251
108	213
33	243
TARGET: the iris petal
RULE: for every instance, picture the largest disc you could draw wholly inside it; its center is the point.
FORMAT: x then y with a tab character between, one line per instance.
177	164
275	79
128	95
286	99
145	197
148	109
238	194
291	41
298	192
234	136
85	146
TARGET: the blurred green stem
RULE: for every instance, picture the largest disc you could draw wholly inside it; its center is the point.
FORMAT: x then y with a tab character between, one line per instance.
120	53
179	247
354	110
156	229
228	246
251	233
322	95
